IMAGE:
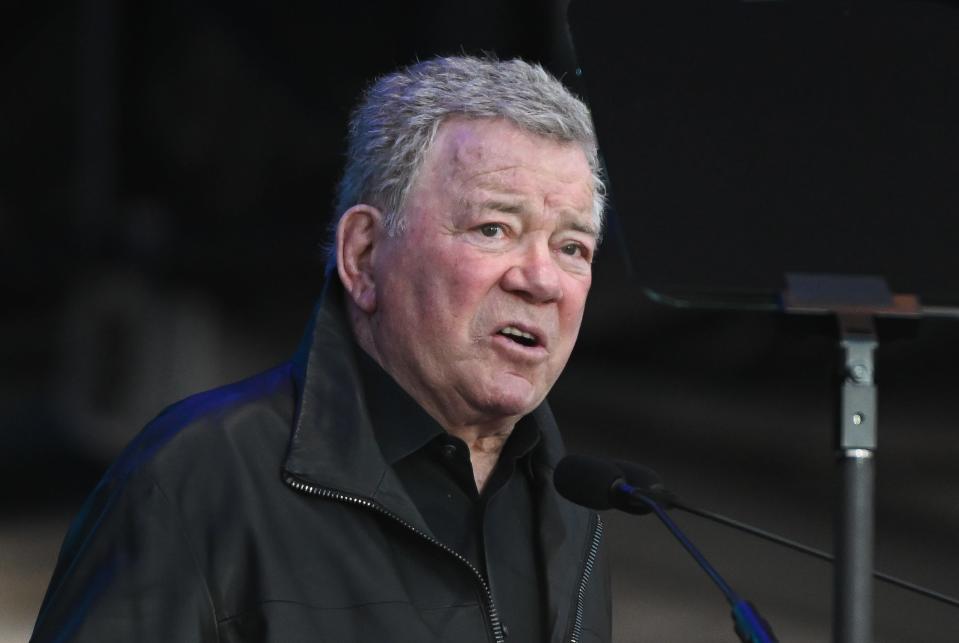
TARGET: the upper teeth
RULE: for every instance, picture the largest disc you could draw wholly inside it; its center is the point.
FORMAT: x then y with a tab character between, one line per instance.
512	330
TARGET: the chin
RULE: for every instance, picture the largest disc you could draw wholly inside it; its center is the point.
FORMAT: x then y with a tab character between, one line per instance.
512	401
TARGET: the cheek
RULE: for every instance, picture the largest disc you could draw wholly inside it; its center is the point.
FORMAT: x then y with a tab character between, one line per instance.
468	281
574	300
442	298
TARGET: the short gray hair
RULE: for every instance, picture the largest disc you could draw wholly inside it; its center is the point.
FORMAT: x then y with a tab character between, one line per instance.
395	123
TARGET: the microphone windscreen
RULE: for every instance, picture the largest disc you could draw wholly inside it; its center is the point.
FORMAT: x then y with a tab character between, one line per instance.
586	481
643	478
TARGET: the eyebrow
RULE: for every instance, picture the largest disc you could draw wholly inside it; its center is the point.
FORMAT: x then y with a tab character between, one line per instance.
589	229
518	207
509	207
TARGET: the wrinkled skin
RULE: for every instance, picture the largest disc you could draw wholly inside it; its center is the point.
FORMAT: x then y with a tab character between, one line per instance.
499	231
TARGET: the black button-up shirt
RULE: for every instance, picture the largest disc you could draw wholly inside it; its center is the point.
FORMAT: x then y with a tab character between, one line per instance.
495	530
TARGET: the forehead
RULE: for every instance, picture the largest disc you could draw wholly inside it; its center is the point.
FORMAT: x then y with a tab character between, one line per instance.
494	153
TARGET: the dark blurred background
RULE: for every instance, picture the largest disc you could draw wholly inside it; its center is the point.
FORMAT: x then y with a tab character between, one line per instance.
166	174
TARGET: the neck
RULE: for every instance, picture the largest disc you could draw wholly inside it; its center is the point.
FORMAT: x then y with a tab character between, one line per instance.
484	436
485	449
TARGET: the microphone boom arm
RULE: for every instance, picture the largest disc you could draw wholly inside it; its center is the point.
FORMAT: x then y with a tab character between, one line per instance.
811	551
750	626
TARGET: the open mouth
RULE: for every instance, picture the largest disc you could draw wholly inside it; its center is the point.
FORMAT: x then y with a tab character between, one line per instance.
519	336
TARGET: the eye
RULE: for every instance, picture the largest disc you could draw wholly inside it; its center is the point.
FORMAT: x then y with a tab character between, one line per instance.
574	250
491	230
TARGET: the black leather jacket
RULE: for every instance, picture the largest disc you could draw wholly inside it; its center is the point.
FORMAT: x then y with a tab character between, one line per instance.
263	511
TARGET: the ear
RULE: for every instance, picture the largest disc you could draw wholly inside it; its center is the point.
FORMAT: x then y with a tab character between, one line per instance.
356	236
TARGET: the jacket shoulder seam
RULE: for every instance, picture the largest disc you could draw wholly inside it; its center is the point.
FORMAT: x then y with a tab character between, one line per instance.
189	546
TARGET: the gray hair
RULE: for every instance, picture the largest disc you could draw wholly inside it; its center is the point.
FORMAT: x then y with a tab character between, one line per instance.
395	123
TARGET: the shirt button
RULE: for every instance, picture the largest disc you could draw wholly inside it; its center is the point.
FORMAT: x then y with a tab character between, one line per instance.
449	451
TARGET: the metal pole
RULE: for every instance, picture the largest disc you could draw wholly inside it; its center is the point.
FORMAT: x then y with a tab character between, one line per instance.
853	584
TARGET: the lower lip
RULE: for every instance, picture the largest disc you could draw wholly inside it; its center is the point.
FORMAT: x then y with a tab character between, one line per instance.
516	350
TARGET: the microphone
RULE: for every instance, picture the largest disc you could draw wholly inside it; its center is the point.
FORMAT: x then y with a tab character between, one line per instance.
590	482
649	484
599	484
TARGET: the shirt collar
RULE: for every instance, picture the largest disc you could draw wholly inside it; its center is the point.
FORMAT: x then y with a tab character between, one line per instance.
400	424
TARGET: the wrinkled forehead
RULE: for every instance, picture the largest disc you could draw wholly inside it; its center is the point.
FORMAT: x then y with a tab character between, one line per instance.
474	139
498	154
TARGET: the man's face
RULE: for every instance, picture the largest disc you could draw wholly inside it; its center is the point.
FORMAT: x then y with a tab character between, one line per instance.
479	300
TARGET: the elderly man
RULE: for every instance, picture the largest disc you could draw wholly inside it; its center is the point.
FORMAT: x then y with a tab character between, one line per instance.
393	482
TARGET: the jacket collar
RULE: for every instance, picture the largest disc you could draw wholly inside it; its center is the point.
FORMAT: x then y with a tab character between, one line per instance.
333	446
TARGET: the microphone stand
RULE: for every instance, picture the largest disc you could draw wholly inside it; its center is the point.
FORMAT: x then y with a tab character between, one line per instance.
749	625
853	587
856	301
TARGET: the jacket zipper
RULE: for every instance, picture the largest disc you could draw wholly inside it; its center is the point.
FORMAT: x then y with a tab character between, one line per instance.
576	631
491	612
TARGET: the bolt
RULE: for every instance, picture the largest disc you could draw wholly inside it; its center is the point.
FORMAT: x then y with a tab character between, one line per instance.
857	418
859	373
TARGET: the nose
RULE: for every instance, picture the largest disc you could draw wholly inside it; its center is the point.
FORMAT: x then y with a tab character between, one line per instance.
534	275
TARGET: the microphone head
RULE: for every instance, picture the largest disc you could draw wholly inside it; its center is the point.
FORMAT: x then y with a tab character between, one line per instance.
648	483
587	481
643	478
